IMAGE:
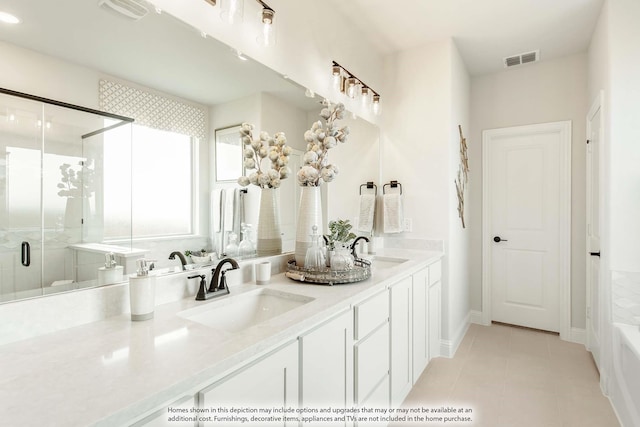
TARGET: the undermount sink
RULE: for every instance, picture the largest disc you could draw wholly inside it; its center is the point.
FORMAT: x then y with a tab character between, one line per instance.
382	262
238	312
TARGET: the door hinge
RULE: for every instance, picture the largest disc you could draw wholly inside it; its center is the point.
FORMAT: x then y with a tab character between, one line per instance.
588	141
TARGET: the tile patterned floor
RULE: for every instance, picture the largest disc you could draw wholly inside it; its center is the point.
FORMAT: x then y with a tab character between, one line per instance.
515	377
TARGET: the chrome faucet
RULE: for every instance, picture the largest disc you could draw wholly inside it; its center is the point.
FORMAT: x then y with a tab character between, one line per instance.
183	260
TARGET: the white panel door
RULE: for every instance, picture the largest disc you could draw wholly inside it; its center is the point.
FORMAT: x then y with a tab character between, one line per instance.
524	192
594	129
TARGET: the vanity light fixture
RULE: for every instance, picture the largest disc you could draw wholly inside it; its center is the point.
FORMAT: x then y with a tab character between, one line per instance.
347	83
232	10
8	18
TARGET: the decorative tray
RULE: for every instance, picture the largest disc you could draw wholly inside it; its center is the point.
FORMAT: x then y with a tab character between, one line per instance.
326	276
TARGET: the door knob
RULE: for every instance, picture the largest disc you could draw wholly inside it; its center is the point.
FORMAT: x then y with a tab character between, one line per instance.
497	239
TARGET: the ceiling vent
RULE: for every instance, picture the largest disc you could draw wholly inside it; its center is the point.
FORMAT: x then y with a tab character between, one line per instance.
523	58
132	9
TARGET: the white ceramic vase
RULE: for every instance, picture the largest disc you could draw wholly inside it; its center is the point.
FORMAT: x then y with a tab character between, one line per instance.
269	238
309	214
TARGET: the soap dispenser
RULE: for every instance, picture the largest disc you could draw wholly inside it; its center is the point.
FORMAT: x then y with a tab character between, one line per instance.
111	272
142	290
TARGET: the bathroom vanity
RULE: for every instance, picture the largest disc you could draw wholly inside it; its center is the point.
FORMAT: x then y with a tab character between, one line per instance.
363	344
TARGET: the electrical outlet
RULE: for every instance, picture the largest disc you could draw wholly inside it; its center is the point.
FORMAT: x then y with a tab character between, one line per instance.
408	224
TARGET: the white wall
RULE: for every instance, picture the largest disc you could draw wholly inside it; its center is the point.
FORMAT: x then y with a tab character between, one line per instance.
544	92
428	98
459	238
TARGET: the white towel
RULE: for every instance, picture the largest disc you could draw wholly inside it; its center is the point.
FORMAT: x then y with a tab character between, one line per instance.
216	209
393	215
229	211
367	209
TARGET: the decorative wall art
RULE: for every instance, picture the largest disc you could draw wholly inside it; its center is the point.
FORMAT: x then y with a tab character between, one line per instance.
463	175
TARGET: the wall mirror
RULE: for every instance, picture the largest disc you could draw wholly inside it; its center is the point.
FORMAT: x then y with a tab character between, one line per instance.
59	54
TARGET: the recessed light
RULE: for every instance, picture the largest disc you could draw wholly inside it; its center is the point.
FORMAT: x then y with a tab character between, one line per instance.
8	18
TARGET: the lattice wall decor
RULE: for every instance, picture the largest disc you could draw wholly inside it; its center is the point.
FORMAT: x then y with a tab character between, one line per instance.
153	110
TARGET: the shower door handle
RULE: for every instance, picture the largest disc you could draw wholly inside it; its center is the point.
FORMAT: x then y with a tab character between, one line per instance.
26	254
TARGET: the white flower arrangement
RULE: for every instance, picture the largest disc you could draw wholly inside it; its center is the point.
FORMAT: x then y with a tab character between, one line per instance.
275	149
320	138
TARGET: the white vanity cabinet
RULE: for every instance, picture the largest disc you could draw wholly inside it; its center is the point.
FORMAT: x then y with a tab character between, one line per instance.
160	418
435	310
401	321
270	381
420	315
326	365
371	351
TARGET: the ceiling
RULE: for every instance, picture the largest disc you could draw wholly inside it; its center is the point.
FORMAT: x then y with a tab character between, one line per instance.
485	31
157	51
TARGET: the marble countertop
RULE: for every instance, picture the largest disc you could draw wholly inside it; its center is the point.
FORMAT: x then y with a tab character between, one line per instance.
108	372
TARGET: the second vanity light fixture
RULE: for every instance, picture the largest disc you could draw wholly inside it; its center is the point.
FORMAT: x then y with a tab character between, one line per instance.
347	83
232	10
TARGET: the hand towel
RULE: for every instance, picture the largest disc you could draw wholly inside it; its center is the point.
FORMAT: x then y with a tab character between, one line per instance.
393	214
366	213
229	210
216	209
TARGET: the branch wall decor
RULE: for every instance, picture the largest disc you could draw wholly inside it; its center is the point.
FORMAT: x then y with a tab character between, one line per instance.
463	175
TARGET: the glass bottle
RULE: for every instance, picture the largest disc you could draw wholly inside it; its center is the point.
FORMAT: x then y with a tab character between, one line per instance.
231	249
246	249
314	259
341	259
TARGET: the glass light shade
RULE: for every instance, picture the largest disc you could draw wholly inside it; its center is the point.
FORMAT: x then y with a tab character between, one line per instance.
267	36
366	96
231	10
375	106
352	87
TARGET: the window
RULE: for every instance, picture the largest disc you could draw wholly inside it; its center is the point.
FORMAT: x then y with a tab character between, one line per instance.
149	184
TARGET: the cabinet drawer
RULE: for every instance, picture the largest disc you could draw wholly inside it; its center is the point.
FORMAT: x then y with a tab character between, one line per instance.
372	362
435	272
161	417
370	314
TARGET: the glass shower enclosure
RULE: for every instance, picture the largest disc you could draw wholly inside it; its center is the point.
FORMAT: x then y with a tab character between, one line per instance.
52	193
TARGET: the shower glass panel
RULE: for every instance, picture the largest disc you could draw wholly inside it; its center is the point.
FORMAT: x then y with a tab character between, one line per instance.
51	194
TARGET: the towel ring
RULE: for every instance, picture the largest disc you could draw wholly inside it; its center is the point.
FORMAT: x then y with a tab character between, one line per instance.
392	184
370	184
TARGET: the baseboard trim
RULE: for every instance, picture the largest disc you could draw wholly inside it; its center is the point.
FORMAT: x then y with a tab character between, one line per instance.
578	336
448	348
476	317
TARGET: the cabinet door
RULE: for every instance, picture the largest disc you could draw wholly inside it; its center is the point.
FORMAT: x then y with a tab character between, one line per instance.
372	366
272	381
434	319
401	341
326	366
420	303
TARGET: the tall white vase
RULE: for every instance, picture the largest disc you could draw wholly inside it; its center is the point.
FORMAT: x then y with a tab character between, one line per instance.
269	239
309	214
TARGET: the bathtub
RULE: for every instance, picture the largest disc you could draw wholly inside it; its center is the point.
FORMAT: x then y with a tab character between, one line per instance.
626	362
